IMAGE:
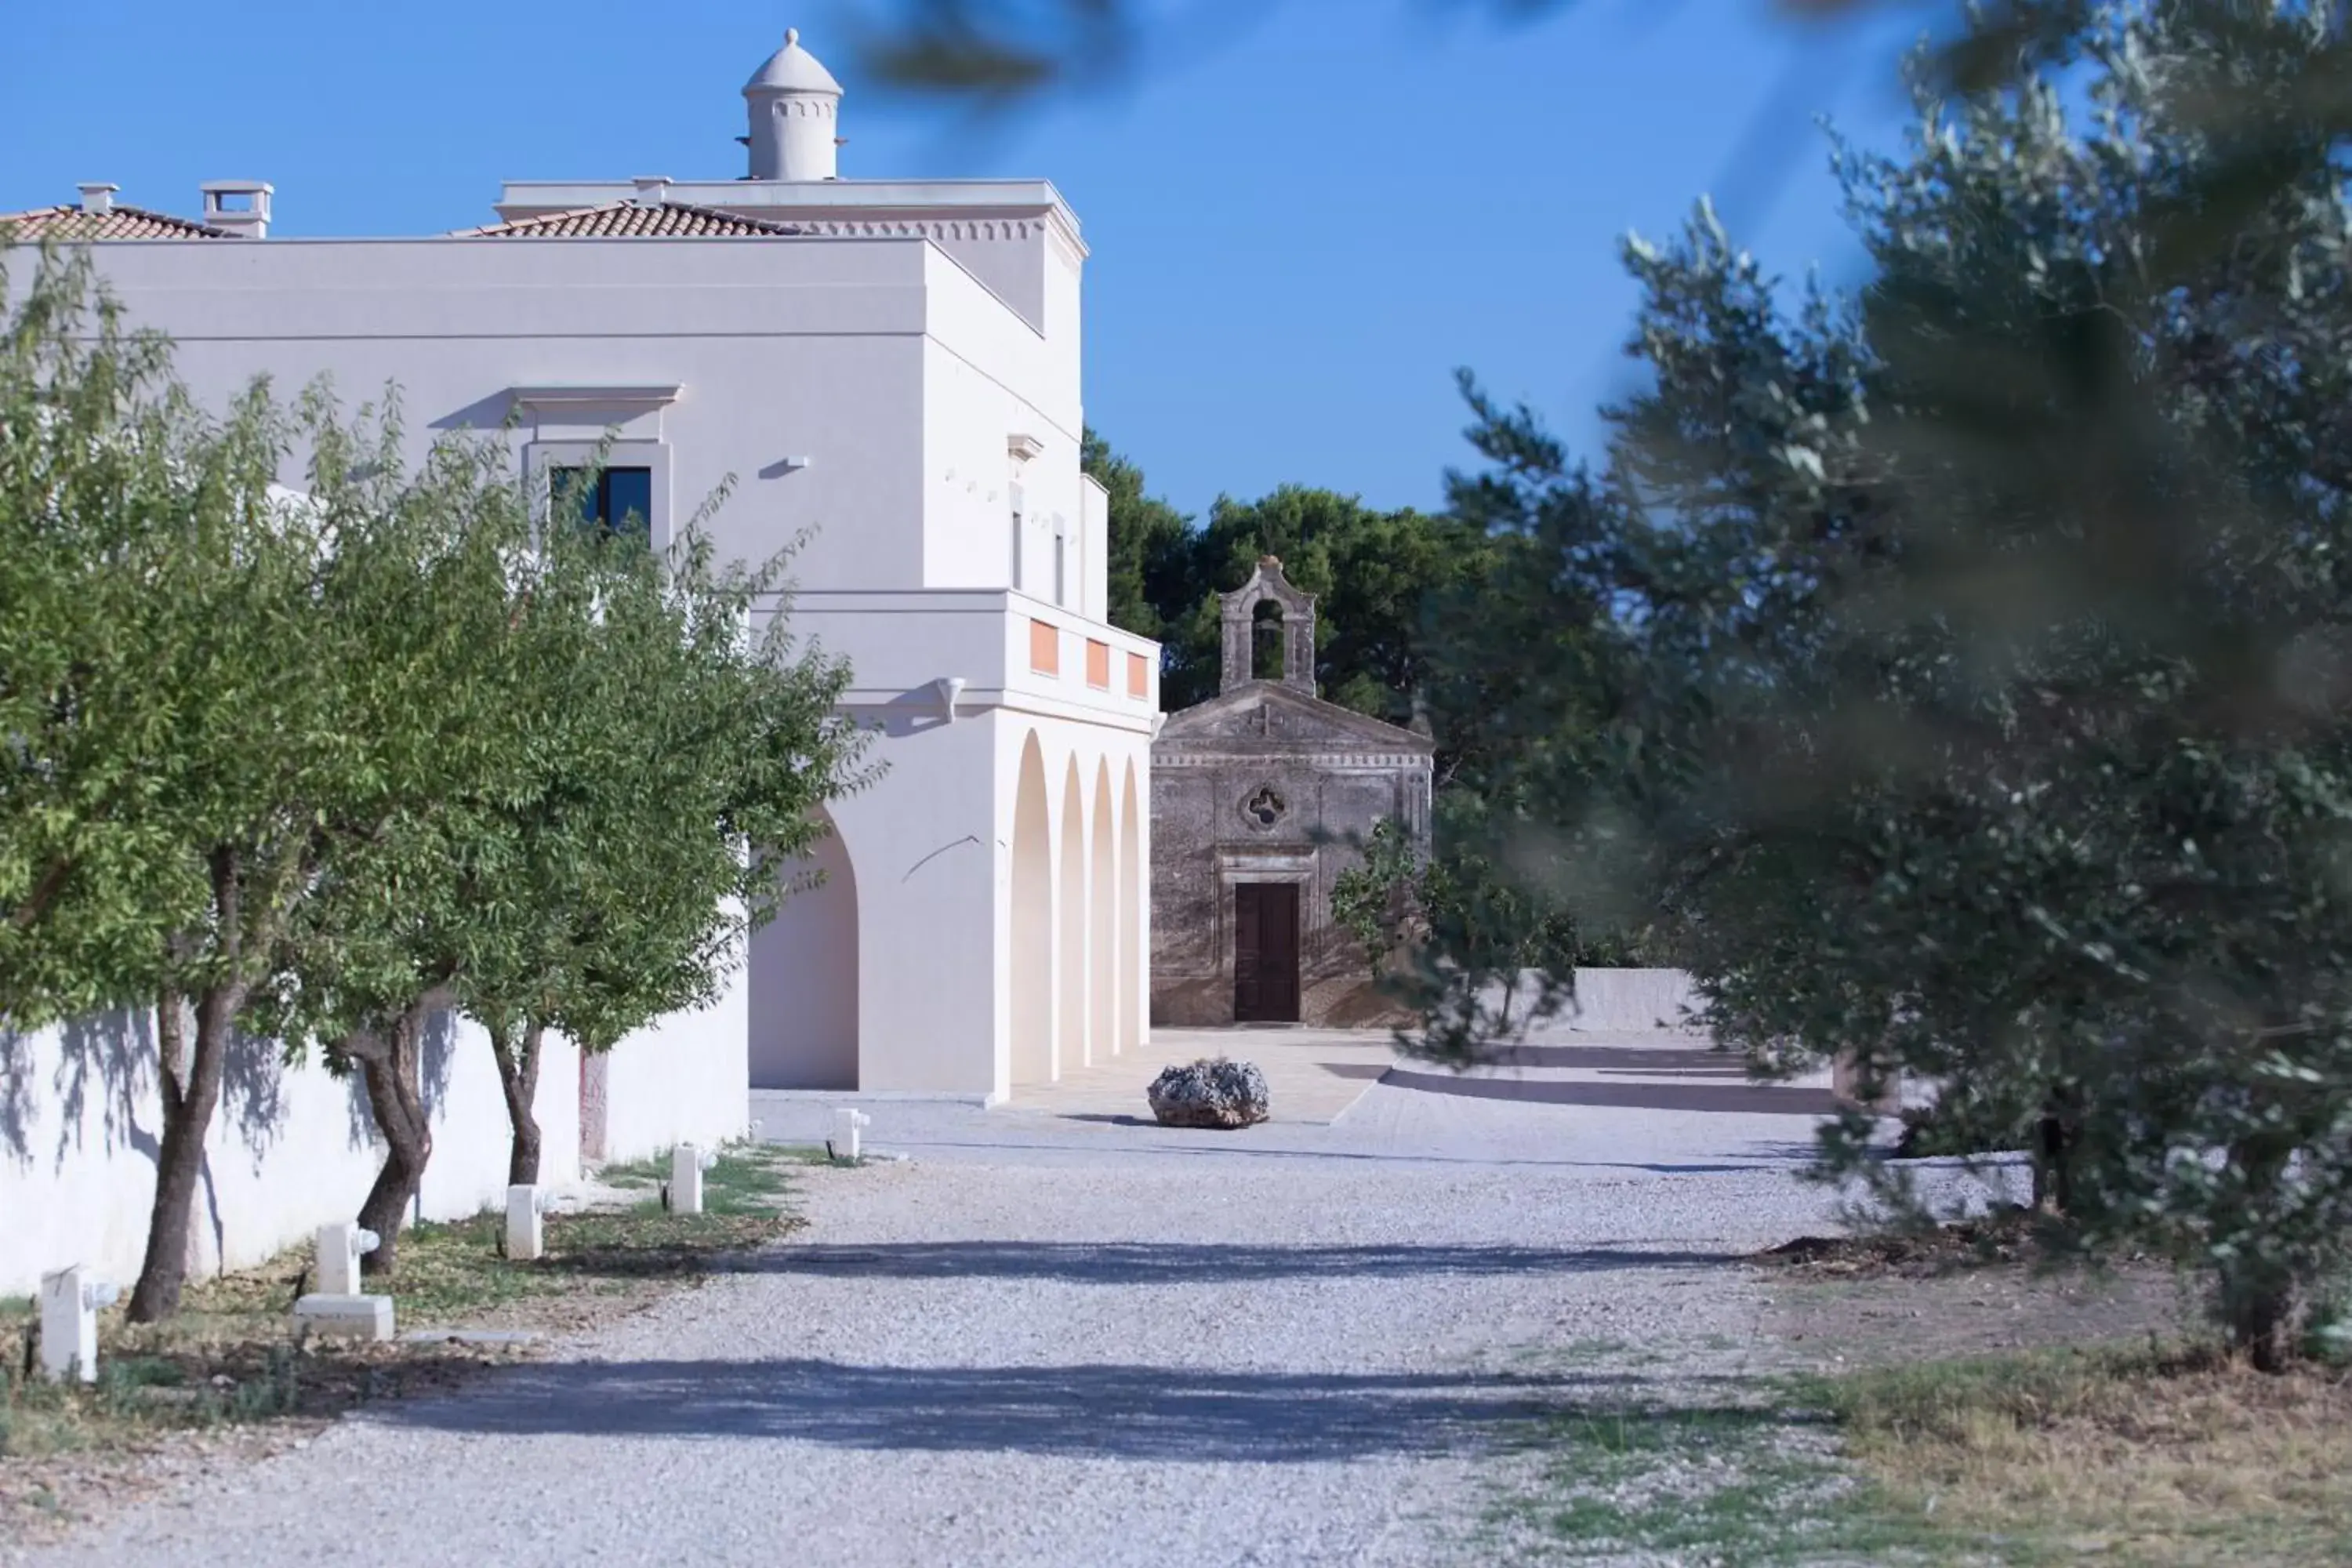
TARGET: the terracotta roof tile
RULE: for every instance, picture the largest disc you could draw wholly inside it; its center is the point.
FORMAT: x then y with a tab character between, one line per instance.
627	220
70	222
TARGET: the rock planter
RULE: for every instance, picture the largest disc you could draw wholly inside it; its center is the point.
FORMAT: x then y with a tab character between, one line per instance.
1220	1093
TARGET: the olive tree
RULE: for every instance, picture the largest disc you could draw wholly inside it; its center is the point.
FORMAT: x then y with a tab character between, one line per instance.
1977	646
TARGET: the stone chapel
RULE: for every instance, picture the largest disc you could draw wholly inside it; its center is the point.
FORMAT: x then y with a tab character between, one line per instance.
1259	798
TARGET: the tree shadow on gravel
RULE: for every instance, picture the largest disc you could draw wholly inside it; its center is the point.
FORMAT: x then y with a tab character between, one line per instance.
1108	1411
1155	1263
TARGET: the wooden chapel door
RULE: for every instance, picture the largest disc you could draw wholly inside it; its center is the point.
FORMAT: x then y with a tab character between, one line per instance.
1266	953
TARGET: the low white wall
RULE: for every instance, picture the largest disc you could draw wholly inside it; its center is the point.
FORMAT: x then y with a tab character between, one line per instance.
290	1148
1617	1001
685	1080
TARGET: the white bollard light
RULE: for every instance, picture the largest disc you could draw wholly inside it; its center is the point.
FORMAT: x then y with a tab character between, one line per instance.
341	1247
686	1165
847	1125
69	1302
338	1307
525	1240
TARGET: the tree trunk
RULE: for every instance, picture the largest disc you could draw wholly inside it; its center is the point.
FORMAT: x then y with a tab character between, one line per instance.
191	1085
191	1092
2056	1136
2258	1311
2259	1294
389	1065
519	1077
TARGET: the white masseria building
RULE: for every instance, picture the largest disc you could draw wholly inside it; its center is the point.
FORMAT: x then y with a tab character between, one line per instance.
891	366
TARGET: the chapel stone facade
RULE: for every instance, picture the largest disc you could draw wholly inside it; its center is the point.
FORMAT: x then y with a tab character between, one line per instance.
1260	798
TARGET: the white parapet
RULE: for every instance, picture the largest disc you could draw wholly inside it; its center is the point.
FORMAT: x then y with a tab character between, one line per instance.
848	1125
525	1238
69	1302
341	1247
345	1317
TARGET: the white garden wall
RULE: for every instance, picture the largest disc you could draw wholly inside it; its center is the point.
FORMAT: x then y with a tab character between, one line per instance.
291	1146
687	1080
1617	1002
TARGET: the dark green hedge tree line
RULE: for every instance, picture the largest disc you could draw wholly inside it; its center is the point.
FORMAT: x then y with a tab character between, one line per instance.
324	763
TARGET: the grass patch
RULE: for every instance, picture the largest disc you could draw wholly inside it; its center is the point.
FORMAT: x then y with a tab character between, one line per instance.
2155	1457
2129	1455
1731	1485
230	1357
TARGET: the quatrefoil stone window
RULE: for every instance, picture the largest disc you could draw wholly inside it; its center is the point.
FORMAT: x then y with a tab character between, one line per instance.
1265	808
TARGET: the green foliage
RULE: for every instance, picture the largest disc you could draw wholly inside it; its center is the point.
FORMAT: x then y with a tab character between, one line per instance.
151	589
1960	665
1150	542
1372	574
596	736
1374	900
1477	954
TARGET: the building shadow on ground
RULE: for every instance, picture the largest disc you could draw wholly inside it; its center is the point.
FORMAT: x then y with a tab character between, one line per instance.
1755	1099
1176	1263
1625	1060
1106	1412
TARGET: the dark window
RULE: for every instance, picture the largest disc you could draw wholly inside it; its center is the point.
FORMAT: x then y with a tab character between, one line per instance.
619	499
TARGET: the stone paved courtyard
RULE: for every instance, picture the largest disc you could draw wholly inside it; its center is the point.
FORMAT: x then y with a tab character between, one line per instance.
1050	1336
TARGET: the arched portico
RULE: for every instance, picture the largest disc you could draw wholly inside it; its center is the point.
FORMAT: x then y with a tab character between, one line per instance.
1033	922
803	974
1134	983
1070	915
1102	928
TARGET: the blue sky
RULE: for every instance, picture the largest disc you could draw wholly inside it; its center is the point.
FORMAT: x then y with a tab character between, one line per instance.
1299	227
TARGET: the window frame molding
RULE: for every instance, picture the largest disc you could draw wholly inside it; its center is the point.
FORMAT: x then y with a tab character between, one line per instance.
542	457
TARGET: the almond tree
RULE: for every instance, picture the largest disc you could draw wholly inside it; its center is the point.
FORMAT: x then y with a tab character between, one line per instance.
676	737
177	757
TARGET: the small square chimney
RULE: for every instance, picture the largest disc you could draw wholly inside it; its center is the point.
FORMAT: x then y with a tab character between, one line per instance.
239	206
97	196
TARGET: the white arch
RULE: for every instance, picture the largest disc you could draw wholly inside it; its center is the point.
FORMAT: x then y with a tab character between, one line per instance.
1102	927
803	974
1070	917
1033	922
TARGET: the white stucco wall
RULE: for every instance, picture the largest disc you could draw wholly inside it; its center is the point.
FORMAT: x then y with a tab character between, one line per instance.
682	1081
881	389
290	1149
1618	1001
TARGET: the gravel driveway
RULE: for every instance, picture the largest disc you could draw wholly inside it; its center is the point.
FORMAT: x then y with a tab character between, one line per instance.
1043	1340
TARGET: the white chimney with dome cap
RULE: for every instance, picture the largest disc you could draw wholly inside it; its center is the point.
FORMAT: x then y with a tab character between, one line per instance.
794	105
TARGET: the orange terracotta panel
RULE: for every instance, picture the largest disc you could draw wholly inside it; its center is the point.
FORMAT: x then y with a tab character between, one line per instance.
1098	665
1044	648
1138	675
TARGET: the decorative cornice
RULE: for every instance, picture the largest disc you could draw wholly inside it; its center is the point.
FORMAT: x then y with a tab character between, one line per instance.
595	396
1194	756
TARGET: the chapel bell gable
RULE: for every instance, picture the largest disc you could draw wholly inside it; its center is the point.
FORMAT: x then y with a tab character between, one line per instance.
1238	610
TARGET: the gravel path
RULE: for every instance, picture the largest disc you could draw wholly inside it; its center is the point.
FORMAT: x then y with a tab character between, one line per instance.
1043	1342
